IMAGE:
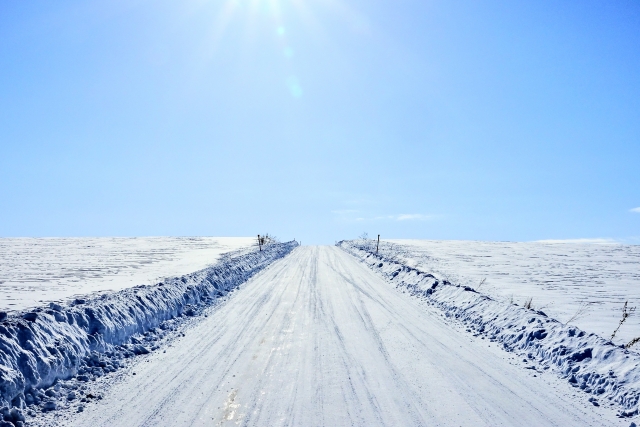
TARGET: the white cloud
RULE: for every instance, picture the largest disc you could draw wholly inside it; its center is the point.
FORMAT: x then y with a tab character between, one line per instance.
398	217
636	210
412	217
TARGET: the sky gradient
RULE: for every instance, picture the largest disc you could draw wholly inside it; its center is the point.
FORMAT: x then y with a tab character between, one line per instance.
321	119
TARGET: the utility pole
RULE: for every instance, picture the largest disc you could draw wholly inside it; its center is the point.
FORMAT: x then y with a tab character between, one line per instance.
259	243
378	245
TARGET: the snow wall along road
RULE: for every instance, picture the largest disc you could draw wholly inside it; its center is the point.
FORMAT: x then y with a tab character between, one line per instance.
587	361
40	346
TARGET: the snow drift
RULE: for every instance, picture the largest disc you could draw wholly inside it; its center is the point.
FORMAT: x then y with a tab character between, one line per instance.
588	362
86	336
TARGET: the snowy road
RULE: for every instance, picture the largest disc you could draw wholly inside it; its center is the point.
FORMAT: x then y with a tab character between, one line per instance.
318	339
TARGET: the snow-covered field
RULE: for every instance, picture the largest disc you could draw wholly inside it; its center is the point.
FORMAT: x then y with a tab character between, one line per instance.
37	270
319	336
562	279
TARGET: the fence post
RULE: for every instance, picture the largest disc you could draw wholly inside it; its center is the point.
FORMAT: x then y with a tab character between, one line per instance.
259	243
378	245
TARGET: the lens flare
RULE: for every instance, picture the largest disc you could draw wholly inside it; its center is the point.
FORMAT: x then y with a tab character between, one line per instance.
294	87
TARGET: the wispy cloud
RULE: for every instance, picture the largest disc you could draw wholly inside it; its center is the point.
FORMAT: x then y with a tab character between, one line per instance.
352	213
636	210
413	217
344	211
398	217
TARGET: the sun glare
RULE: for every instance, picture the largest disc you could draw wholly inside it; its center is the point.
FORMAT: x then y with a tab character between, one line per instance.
264	20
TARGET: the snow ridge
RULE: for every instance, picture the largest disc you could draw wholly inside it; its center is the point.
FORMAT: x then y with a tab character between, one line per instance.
41	346
588	362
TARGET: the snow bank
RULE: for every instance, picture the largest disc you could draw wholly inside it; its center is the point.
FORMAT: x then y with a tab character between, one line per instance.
87	337
564	278
587	361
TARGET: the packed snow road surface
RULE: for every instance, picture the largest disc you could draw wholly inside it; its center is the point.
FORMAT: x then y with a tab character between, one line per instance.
318	339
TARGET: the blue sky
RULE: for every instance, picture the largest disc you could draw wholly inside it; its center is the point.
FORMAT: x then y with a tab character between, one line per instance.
320	119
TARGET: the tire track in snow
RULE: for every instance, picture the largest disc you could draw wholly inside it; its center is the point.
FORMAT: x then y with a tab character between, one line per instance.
318	339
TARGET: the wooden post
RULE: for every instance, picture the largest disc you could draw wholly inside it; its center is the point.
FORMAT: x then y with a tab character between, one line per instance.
259	243
378	245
